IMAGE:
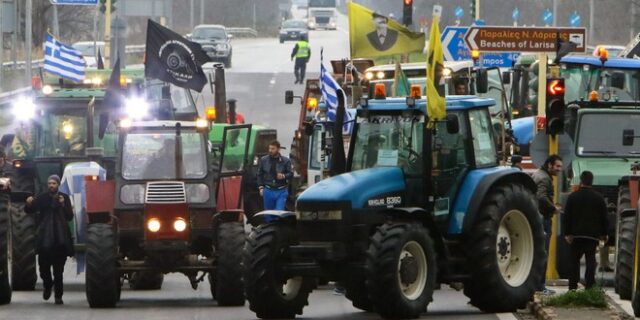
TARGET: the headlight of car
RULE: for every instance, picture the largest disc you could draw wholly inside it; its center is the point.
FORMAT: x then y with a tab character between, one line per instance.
222	47
197	193
319	215
132	194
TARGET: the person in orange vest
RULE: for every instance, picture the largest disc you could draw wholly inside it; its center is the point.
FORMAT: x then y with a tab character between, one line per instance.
231	110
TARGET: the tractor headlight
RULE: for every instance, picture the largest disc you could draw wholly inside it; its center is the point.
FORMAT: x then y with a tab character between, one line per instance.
197	193
136	107
24	109
153	225
132	194
319	215
179	225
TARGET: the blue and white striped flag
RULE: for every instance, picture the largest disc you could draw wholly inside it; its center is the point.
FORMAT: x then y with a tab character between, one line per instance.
329	88
63	60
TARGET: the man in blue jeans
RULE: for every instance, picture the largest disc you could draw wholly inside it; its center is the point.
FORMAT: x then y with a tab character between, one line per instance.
274	174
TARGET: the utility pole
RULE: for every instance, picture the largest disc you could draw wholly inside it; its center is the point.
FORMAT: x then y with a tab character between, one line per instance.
201	11
1	42
14	35
28	13
56	24
191	15
254	15
632	30
107	34
555	13
477	17
591	20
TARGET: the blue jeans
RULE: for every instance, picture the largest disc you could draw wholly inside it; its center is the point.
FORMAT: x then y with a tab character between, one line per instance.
546	223
275	199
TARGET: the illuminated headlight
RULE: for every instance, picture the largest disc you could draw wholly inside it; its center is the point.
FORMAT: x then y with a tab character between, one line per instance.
368	75
24	109
5	183
179	225
136	107
197	193
132	194
446	72
47	90
380	75
153	225
319	215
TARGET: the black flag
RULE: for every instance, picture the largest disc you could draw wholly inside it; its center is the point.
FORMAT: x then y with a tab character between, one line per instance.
100	61
174	59
113	94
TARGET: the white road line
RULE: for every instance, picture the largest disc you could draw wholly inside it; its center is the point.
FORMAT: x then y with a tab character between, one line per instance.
506	316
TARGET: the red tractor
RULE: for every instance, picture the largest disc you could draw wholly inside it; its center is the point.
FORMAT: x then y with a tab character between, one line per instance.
169	209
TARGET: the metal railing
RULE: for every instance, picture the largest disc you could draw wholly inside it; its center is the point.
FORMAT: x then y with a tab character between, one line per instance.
243	32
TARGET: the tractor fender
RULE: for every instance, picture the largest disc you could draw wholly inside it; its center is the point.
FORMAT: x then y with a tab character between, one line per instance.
474	189
268	216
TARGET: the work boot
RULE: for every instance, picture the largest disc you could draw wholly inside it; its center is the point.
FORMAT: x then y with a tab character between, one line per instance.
59	301
46	293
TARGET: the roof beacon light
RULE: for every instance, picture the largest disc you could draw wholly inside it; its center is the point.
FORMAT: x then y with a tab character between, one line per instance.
603	54
211	113
380	91
415	91
312	103
593	96
475	54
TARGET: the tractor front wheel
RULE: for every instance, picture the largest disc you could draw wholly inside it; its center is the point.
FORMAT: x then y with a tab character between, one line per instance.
23	251
5	284
506	251
102	277
271	294
227	286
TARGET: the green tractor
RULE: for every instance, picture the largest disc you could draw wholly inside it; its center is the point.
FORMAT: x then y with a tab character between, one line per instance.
419	206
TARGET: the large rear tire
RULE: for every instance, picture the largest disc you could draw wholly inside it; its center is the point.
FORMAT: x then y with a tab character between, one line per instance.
625	245
505	250
270	294
401	270
146	280
227	287
5	285
102	277
23	248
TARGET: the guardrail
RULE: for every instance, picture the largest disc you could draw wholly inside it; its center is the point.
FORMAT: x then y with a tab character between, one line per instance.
247	32
22	64
6	97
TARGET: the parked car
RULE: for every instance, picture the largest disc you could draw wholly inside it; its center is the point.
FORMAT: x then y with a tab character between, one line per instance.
215	41
293	30
89	51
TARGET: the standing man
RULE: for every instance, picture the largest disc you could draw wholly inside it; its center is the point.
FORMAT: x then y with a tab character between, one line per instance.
584	222
54	237
274	175
302	53
543	178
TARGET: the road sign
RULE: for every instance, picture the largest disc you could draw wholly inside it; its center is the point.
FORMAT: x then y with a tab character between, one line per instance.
455	49
523	39
632	50
459	12
547	16
515	14
574	19
76	2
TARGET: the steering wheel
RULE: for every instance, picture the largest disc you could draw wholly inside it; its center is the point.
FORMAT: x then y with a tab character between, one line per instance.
612	92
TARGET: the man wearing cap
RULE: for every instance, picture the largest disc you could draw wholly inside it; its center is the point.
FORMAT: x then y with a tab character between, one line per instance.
54	243
383	38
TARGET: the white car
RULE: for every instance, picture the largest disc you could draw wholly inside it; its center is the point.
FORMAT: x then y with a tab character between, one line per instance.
89	52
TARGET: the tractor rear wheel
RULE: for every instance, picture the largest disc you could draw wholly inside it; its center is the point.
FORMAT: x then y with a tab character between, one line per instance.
146	280
506	251
102	277
625	245
401	270
5	285
23	251
227	287
271	294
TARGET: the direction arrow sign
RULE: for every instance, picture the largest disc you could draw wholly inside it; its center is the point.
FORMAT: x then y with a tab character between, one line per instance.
523	39
515	14
76	2
459	12
547	16
455	49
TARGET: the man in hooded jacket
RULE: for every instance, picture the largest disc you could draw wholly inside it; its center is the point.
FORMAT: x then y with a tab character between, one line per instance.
54	242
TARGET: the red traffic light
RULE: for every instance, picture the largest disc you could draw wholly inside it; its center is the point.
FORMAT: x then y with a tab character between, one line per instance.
408	2
556	87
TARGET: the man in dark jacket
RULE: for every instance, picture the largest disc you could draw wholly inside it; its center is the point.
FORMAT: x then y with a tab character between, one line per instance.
54	237
543	178
274	175
584	222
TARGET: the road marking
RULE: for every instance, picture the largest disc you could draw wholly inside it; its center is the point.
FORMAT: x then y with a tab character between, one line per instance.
506	316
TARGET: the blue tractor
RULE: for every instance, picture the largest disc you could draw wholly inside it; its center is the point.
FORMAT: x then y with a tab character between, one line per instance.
419	206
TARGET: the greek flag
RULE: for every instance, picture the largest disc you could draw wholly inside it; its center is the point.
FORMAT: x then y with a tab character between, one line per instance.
329	88
63	60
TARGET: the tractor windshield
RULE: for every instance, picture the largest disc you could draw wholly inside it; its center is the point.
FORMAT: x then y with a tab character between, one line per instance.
582	79
592	141
389	141
149	156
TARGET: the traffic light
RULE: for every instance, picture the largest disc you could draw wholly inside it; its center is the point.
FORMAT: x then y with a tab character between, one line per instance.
407	12
555	106
103	6
472	9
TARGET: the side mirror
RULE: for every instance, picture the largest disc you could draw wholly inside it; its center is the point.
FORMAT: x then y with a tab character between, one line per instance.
627	137
482	81
288	97
453	125
308	128
506	77
617	80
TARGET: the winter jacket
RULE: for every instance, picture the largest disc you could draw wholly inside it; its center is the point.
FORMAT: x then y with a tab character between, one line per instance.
266	175
544	194
585	214
54	236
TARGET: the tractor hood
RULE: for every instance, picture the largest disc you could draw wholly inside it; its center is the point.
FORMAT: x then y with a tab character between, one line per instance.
606	171
356	187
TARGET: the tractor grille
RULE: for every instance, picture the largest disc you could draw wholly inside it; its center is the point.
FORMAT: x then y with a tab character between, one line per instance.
322	20
165	192
610	194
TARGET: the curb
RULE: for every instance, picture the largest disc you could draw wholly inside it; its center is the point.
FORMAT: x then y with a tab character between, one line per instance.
617	312
547	313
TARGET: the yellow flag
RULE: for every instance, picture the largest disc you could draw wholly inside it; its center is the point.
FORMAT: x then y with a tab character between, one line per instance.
436	105
373	35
